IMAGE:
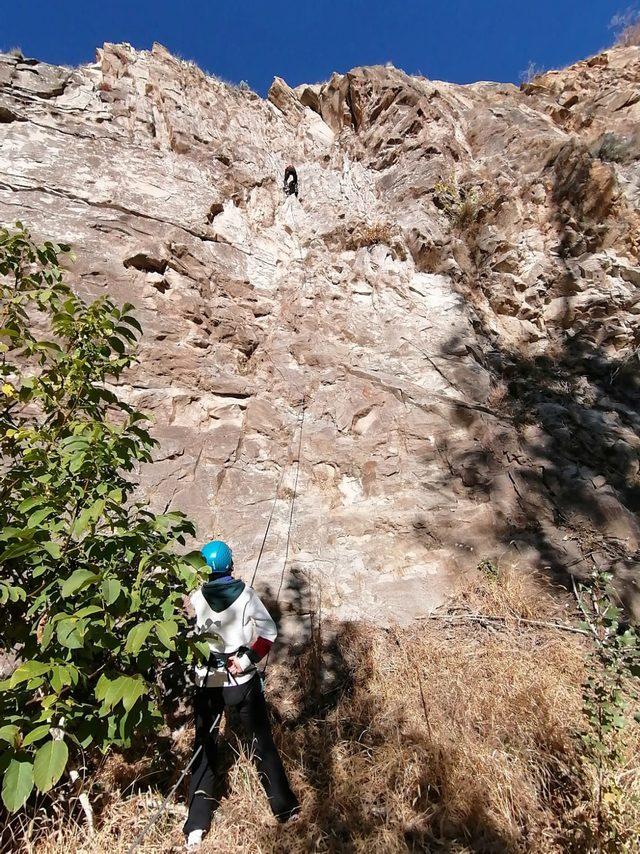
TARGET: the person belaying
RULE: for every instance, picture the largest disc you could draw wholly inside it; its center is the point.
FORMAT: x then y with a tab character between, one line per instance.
290	181
240	632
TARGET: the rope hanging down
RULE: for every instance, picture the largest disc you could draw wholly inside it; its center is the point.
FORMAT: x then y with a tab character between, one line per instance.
275	500
293	504
156	815
266	530
280	479
293	500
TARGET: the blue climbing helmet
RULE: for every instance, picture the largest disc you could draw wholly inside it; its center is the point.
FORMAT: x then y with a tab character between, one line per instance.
218	555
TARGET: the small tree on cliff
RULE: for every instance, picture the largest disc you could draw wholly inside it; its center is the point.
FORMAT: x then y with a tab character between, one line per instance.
90	585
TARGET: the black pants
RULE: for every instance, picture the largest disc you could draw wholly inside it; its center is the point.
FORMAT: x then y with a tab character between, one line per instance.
248	702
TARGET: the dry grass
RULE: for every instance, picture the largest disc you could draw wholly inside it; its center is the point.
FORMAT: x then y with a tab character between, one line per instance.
497	397
630	36
532	72
626	26
370	234
464	204
456	737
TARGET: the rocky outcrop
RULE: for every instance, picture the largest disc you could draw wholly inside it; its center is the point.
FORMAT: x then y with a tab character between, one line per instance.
448	312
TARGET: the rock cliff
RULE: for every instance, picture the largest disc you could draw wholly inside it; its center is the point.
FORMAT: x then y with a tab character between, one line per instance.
436	340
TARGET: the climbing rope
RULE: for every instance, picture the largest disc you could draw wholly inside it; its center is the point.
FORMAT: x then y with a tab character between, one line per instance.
165	803
293	502
266	531
290	526
275	498
163	806
280	479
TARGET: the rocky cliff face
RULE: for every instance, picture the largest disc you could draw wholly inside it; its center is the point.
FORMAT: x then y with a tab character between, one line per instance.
448	311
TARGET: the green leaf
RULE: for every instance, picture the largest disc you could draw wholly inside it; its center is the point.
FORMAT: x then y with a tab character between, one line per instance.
36	734
17	784
39	516
77	580
133	689
50	762
132	322
28	670
30	503
9	733
71	633
60	678
166	631
113	694
203	648
111	589
47	634
195	560
18	550
77	461
102	686
116	344
96	510
137	636
88	611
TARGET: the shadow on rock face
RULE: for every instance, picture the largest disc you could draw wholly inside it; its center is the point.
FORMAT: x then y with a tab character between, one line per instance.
565	479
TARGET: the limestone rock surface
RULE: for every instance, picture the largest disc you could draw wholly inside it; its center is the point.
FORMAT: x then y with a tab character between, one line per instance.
435	345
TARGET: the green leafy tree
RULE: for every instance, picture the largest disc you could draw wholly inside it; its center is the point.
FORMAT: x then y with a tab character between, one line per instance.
91	586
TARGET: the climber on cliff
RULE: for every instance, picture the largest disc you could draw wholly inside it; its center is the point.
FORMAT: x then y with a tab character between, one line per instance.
290	181
240	632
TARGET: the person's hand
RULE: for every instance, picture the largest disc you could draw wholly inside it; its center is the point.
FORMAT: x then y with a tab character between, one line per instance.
234	667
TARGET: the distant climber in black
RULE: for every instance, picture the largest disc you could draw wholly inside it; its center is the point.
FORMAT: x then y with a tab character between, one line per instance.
290	181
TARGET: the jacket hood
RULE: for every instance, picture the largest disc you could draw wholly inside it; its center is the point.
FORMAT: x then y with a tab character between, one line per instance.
220	593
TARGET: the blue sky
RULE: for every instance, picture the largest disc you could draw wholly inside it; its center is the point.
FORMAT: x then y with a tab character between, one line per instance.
304	41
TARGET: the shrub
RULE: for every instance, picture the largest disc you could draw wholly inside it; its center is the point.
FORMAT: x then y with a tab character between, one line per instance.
608	705
489	569
461	204
90	587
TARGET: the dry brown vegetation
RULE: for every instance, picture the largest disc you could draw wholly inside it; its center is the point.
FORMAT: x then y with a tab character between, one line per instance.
532	72
462	204
627	28
456	734
370	234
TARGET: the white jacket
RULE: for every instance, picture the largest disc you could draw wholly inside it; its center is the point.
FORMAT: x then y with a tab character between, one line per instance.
240	624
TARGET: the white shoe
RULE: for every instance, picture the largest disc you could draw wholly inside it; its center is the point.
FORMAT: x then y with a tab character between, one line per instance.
194	839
